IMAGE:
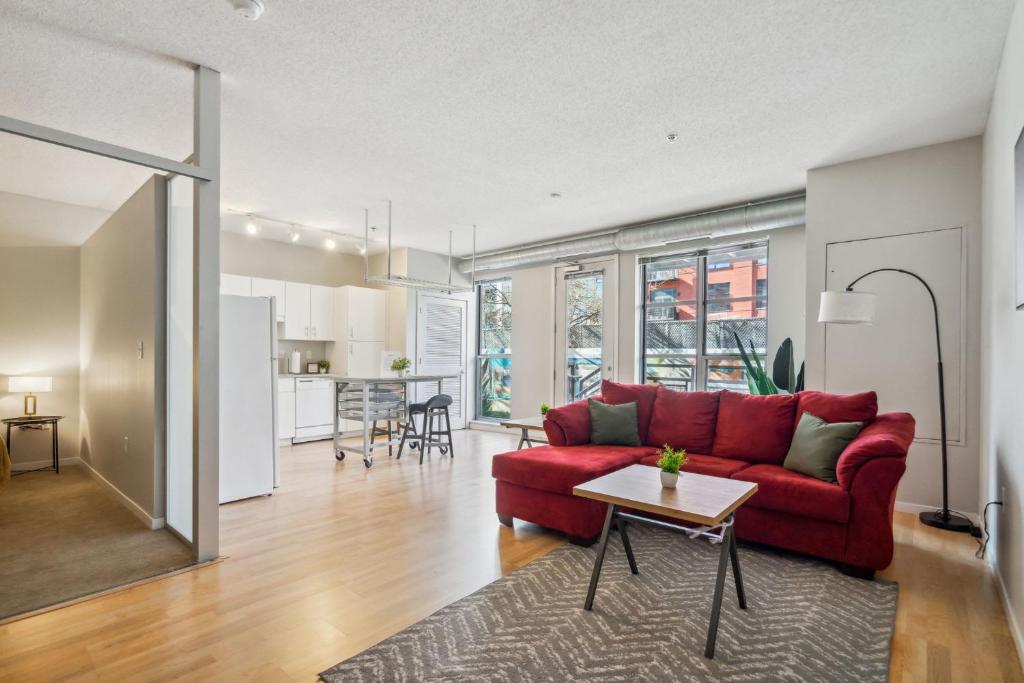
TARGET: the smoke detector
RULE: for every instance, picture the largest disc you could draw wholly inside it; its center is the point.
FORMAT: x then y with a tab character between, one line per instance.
248	9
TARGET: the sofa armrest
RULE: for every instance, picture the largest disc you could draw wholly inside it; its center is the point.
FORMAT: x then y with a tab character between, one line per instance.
568	425
887	436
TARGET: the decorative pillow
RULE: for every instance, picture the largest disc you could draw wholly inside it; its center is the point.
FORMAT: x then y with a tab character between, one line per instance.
755	429
861	407
817	446
684	419
613	425
643	394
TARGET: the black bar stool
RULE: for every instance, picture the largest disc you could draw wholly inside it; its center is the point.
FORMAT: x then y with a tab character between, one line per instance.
436	407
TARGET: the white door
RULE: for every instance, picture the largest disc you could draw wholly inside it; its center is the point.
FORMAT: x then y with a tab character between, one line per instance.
273	289
585	326
321	313
441	350
296	311
239	285
367	314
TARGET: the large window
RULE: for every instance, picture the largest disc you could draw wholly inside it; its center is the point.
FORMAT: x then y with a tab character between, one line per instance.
494	349
695	305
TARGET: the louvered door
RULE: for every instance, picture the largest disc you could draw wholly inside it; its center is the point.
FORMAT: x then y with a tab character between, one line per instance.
441	350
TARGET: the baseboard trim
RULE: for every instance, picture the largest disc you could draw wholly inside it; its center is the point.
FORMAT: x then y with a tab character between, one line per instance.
1011	618
133	507
916	509
40	464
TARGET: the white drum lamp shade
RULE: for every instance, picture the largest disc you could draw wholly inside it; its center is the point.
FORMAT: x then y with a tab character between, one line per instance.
847	308
29	385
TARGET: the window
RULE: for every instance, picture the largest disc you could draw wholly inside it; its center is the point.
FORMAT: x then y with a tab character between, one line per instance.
494	349
689	341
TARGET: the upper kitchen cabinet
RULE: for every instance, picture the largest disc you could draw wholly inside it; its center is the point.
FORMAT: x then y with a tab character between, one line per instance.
360	314
238	285
308	313
275	289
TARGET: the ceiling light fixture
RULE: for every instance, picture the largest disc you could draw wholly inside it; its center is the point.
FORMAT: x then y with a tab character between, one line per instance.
293	234
248	9
250	226
330	243
672	137
556	195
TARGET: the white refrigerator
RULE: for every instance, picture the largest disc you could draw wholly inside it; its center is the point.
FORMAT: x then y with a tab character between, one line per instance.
248	397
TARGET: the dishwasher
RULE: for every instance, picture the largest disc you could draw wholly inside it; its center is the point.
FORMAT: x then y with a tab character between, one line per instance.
314	408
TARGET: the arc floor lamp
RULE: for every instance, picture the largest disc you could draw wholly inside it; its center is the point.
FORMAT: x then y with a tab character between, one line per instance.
858	308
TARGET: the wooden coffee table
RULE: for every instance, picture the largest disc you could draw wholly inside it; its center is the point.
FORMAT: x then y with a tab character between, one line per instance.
704	504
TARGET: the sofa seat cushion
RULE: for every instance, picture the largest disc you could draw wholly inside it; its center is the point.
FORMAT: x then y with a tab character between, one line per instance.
710	465
756	429
783	490
559	468
684	419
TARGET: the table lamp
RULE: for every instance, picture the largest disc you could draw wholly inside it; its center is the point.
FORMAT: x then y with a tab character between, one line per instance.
858	308
30	386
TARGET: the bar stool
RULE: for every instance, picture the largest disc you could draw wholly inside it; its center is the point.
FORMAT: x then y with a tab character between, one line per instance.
436	407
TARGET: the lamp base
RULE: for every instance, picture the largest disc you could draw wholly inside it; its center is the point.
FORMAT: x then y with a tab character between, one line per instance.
941	519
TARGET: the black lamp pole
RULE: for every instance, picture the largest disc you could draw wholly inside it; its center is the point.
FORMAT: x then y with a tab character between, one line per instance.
944	518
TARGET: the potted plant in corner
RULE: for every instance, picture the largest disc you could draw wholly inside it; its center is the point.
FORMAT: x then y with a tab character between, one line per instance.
670	462
401	366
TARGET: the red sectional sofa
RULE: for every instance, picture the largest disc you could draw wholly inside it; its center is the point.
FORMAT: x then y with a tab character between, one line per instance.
726	434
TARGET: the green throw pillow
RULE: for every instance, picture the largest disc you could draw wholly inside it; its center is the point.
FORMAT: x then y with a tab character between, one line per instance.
613	425
817	445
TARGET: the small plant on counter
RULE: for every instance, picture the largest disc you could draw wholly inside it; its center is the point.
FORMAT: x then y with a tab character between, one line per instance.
670	462
544	408
325	366
401	365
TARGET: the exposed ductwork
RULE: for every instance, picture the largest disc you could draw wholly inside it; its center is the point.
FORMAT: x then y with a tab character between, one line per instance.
754	217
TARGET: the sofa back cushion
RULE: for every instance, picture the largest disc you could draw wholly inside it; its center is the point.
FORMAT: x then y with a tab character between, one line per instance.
643	394
613	424
756	429
684	419
861	407
568	425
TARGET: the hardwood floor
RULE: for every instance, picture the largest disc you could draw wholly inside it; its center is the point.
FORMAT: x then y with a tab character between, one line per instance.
342	557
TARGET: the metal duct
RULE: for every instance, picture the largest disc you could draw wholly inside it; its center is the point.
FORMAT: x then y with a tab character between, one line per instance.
754	217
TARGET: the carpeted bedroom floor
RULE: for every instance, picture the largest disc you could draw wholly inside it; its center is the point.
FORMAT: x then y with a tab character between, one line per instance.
63	536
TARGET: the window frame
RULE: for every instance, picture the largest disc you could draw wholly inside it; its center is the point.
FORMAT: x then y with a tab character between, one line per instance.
478	350
702	359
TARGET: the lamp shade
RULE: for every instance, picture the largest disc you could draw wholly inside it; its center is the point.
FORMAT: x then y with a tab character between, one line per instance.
29	385
847	308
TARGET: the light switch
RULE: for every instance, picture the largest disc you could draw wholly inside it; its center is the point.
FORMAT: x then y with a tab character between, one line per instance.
140	349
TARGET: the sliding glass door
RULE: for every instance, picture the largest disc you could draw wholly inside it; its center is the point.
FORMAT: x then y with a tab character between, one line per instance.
585	328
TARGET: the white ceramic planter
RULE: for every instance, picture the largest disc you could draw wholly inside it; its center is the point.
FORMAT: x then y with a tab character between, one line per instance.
669	479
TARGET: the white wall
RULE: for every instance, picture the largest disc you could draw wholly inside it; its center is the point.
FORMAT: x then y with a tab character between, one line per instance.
39	336
274	260
123	302
911	191
1002	330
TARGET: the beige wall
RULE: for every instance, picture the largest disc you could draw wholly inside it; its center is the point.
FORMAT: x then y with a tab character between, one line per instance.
39	336
123	303
915	190
1002	330
274	260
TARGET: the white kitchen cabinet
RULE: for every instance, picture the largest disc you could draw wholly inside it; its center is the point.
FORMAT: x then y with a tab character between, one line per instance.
296	310
275	289
286	408
365	312
239	285
314	407
360	329
321	313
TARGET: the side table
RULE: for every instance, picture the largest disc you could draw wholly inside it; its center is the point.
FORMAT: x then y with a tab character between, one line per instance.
36	422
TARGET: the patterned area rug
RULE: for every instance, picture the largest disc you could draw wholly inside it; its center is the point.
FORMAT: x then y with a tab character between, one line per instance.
805	622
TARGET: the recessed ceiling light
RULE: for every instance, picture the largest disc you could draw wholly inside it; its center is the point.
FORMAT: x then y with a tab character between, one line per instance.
250	226
556	195
330	243
248	9
672	137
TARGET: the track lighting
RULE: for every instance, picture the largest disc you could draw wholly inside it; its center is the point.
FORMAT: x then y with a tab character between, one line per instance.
330	242
250	226
293	235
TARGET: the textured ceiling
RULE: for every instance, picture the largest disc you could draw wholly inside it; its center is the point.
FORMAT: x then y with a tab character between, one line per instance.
475	112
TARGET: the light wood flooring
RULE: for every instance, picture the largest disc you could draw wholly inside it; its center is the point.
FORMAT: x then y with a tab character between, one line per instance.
342	557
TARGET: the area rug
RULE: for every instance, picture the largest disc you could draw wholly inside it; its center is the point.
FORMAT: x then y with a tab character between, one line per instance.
805	622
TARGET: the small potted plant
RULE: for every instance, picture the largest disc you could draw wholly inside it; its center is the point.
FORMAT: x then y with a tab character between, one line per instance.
670	462
401	366
325	366
544	408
